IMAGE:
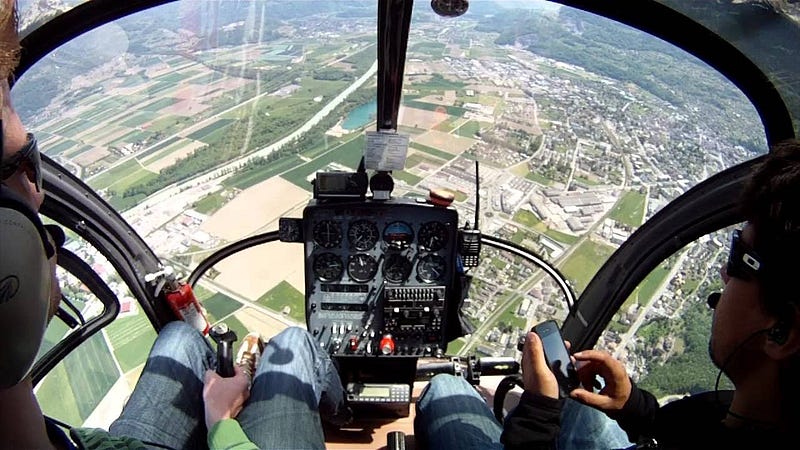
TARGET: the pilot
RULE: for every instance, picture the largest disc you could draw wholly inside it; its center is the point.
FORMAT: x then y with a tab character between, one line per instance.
179	402
755	342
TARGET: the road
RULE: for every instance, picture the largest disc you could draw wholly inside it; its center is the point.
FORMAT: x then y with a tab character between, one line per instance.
171	194
644	310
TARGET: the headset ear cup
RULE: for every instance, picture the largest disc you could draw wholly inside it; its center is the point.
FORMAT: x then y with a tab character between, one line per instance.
24	287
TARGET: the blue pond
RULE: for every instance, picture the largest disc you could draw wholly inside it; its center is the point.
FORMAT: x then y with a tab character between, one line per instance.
361	116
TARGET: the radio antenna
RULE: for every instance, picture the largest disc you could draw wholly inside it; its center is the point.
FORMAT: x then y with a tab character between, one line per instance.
477	196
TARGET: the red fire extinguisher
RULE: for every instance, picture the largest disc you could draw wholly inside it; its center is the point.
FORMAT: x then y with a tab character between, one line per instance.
185	305
182	301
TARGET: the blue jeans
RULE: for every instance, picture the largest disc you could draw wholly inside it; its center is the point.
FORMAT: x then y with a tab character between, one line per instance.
294	383
452	415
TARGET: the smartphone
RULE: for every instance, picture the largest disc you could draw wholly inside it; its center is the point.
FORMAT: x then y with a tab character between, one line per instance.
557	356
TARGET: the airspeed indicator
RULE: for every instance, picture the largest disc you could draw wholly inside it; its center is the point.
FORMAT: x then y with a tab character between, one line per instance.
362	235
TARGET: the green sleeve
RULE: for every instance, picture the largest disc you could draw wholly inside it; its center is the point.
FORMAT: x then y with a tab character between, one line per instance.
228	434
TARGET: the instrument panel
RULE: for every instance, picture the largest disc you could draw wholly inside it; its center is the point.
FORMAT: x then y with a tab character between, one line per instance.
379	275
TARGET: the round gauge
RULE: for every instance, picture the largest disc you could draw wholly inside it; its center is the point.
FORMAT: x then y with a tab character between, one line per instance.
362	235
433	236
431	268
396	268
328	266
398	234
328	233
362	267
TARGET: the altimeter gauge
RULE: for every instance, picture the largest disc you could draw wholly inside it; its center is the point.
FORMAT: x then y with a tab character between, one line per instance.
433	236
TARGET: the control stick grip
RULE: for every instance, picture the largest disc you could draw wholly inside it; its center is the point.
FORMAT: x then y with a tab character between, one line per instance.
224	337
225	360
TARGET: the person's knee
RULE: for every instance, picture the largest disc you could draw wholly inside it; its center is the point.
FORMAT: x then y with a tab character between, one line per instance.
441	379
290	337
178	330
443	384
448	383
178	334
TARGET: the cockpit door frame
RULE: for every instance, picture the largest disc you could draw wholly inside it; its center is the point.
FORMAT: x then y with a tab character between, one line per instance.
74	205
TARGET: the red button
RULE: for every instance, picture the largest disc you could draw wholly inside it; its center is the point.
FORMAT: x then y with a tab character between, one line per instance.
387	344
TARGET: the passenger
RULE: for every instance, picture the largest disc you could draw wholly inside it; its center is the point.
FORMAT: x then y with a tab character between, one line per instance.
755	341
179	401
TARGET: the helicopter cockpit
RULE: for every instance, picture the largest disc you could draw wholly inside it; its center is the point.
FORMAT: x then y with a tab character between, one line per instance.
415	183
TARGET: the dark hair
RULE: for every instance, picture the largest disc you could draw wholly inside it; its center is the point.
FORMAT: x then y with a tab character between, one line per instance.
771	205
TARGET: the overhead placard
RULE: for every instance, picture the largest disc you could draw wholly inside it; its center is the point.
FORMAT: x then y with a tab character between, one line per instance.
385	151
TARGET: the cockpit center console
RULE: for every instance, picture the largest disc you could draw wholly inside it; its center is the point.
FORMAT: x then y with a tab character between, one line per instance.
378	276
382	282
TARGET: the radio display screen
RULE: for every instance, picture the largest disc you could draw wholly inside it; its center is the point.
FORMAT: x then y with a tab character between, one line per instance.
375	391
332	183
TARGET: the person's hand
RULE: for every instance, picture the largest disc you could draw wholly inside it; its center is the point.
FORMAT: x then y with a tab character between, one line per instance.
617	388
224	397
536	375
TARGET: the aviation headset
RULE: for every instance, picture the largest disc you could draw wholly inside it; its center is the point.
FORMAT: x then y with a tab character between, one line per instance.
24	284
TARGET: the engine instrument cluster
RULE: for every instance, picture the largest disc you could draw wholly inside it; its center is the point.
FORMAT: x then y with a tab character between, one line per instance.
379	276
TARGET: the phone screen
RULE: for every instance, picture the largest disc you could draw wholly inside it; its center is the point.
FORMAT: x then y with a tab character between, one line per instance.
557	355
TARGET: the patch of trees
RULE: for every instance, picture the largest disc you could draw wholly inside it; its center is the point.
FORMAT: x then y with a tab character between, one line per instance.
363	59
331	74
230	145
691	371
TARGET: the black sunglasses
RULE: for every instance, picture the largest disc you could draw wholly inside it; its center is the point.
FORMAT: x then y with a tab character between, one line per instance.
743	262
28	159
